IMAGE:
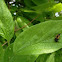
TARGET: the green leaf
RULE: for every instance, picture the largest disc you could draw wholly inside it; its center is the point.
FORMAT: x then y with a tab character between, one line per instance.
27	10
34	15
39	39
6	22
58	56
56	8
29	3
1	53
51	6
43	7
16	28
9	56
38	2
46	58
48	15
57	18
23	22
51	58
42	58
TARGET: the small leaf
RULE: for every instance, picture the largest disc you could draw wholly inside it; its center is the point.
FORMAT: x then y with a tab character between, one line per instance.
22	22
39	39
58	56
27	10
42	58
17	27
51	58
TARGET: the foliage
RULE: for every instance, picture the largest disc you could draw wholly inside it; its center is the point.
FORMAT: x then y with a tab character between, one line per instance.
28	29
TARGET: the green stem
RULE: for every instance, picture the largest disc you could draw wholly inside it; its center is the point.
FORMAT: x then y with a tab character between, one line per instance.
8	43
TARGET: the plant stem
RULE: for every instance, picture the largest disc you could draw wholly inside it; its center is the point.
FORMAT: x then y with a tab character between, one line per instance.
8	43
4	43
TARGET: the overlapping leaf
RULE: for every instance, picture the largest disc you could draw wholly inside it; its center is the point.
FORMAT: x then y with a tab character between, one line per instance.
58	56
51	58
43	7
42	58
29	3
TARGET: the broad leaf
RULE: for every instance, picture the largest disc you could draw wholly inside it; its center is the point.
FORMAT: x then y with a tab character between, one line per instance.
6	22
39	39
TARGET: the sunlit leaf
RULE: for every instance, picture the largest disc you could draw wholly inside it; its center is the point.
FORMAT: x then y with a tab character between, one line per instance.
39	39
6	22
56	8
